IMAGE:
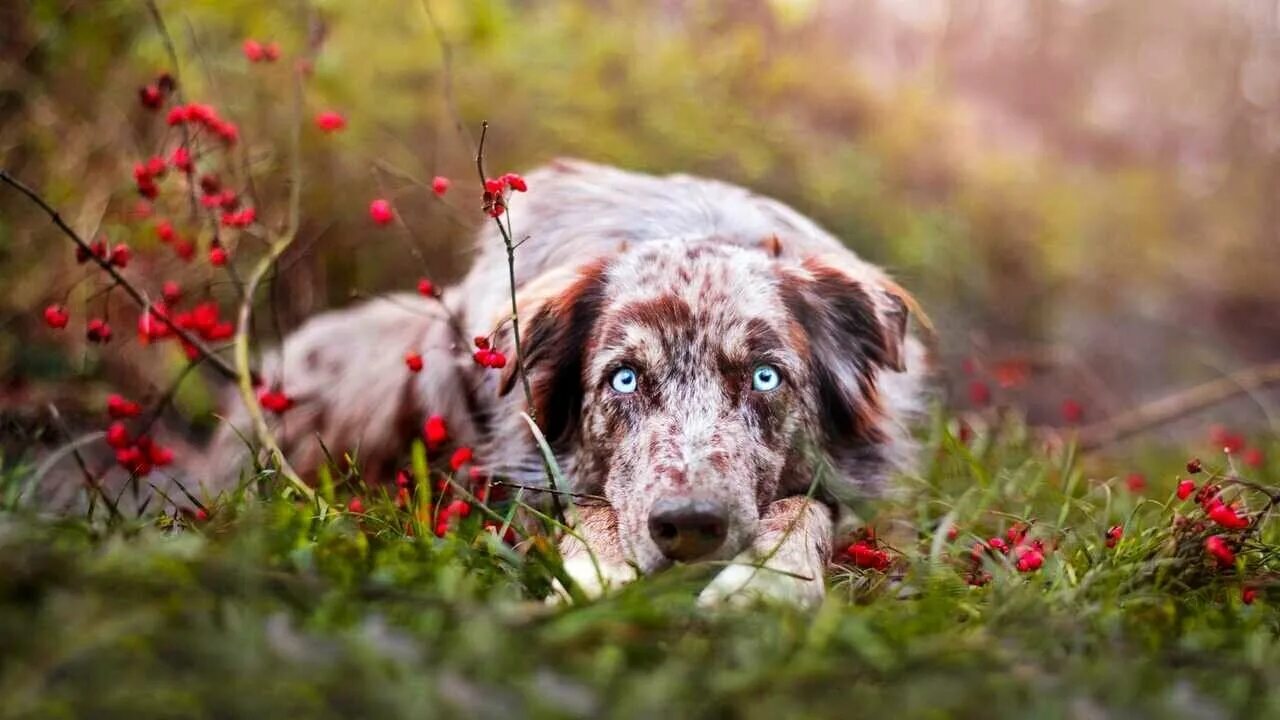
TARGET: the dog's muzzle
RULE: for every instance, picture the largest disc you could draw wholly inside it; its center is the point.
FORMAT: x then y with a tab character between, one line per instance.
685	529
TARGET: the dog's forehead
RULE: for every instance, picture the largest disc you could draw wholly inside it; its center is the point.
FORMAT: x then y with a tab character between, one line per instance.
706	277
692	304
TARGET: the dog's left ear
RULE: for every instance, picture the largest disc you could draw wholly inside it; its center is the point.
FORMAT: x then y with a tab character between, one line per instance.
855	324
558	312
845	309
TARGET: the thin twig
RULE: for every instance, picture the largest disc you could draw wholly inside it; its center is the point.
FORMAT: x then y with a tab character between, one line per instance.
278	246
138	297
1178	405
549	491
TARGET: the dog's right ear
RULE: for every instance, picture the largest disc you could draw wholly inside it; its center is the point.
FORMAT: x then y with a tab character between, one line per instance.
558	312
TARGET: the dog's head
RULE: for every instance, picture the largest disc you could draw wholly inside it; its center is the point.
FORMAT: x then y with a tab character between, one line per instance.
691	384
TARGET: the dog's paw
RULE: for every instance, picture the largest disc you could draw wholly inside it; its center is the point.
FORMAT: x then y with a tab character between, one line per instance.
743	584
593	578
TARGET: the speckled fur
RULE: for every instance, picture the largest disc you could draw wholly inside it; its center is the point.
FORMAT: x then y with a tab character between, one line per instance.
690	281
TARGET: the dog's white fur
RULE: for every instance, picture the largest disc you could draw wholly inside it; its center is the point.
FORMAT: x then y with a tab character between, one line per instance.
684	276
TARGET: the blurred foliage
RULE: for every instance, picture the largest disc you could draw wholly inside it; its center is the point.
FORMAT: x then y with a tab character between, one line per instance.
271	609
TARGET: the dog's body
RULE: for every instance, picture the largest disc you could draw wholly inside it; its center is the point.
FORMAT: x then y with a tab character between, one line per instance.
697	355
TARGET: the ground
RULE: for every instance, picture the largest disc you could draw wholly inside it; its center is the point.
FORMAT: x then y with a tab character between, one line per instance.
272	607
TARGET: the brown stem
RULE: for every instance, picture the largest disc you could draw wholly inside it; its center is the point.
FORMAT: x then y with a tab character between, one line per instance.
138	297
1178	405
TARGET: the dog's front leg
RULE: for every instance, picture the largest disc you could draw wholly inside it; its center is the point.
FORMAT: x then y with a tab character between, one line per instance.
593	554
786	562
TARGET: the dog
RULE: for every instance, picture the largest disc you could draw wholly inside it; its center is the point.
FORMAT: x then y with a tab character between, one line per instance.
721	371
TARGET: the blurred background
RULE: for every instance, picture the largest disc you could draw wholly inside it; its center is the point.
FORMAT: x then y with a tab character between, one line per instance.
1082	193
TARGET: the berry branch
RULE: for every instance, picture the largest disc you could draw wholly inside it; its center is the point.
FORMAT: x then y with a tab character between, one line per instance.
497	209
204	351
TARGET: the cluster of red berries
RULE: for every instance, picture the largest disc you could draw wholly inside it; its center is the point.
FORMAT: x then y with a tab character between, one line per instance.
136	455
255	51
486	356
496	190
867	553
1234	443
1012	374
207	118
1027	554
119	256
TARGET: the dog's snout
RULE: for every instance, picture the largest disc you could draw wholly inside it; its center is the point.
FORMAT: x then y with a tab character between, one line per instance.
686	529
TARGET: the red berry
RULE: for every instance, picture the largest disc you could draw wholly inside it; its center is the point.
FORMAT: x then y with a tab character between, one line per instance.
1114	534
355	505
271	51
120	256
402	479
171	291
440	185
1185	488
953	532
434	431
119	408
996	543
151	97
155	166
178	115
482	357
1136	482
201	514
1194	466
1254	458
184	249
1227	517
1248	595
426	288
414	361
457	508
181	159
497	360
493	186
164	231
1072	411
217	256
56	317
979	393
118	435
460	457
1220	550
98	331
481	342
330	121
380	212
252	50
1030	559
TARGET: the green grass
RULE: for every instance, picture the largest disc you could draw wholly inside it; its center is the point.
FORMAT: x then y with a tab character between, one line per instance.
269	610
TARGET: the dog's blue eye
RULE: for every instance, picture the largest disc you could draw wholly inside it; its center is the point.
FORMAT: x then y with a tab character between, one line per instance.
765	378
624	380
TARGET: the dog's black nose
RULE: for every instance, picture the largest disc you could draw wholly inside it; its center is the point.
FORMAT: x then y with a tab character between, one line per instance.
686	529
